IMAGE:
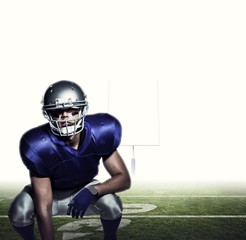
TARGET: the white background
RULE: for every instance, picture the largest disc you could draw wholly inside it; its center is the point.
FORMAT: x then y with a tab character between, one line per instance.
195	50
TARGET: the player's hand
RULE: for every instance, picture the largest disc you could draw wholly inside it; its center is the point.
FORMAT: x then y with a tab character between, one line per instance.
80	203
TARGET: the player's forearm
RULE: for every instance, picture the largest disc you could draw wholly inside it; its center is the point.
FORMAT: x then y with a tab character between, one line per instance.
44	217
45	226
117	183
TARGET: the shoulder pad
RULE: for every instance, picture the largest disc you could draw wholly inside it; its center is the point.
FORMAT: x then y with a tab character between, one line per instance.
106	132
31	144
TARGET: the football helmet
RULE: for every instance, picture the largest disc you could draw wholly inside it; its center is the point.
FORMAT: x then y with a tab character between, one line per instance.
59	97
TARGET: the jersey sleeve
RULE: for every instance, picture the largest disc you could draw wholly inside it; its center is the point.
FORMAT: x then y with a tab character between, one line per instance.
31	159
107	132
116	132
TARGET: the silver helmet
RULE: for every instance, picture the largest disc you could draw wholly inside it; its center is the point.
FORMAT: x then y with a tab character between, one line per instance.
60	96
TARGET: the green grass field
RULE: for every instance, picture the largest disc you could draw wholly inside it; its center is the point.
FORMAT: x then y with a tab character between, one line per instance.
169	211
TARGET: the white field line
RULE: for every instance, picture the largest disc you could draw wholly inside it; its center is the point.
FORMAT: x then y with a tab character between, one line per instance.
184	196
170	216
184	216
5	198
159	216
171	196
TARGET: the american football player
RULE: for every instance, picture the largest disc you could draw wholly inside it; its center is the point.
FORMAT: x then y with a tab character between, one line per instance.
63	157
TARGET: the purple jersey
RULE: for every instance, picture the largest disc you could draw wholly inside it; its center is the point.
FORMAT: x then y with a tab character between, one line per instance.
45	155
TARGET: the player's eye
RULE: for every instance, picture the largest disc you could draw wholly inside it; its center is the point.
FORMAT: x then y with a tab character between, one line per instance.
75	112
56	113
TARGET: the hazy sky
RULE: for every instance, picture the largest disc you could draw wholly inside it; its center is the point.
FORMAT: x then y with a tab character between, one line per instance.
194	50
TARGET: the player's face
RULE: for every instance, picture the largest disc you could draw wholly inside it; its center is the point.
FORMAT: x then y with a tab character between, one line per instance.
66	115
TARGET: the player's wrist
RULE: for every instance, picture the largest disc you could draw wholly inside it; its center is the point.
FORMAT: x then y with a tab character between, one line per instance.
93	190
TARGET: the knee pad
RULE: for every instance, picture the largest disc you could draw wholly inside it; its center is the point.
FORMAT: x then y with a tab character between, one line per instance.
110	206
21	211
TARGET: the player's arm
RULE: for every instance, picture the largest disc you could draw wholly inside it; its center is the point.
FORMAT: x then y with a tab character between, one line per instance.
120	178
43	205
119	181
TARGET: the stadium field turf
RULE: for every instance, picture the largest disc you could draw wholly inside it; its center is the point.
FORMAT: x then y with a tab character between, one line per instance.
171	211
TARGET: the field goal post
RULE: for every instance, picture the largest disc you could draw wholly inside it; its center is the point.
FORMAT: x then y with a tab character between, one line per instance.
134	145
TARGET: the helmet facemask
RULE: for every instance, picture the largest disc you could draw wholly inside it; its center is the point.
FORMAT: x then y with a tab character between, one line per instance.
66	127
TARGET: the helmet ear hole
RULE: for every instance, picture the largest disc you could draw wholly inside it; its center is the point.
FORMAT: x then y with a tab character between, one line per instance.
60	96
